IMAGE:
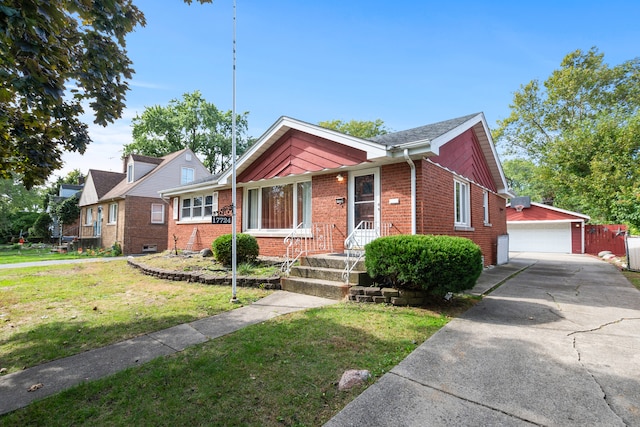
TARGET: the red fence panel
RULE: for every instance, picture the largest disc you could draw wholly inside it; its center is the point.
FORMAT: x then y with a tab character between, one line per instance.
608	237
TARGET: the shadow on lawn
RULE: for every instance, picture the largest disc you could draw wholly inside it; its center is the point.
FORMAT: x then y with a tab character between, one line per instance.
55	340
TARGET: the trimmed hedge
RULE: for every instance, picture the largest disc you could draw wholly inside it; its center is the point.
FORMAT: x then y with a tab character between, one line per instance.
437	264
246	247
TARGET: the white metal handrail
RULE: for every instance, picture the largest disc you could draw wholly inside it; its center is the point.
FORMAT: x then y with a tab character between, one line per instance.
365	232
317	238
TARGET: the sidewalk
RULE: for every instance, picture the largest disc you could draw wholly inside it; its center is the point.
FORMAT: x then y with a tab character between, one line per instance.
556	345
64	373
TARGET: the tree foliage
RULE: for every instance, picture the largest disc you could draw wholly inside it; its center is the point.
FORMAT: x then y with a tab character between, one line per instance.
359	128
582	90
577	137
15	202
189	122
45	47
56	57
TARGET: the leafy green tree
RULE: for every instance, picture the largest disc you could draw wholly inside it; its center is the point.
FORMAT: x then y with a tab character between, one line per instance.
40	228
525	179
580	129
358	128
46	46
15	201
190	122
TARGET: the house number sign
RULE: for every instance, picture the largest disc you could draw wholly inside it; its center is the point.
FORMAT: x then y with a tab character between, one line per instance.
223	215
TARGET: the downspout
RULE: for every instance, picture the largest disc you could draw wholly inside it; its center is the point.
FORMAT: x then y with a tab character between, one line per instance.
413	190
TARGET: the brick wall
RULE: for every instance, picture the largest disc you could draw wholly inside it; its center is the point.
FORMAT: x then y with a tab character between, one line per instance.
436	211
207	232
395	183
138	229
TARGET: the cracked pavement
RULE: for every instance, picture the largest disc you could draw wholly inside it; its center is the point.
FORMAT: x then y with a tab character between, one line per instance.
556	345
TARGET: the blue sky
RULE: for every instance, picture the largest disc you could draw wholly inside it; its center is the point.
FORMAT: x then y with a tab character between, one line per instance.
409	63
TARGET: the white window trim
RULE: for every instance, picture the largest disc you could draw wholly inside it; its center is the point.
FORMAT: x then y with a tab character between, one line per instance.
176	207
485	208
199	219
161	212
465	223
88	220
130	172
184	181
115	214
272	232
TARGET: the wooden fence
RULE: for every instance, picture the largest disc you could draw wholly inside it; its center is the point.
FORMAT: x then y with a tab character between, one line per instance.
608	237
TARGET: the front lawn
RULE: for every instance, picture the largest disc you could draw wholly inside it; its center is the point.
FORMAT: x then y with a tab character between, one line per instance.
282	372
12	254
53	312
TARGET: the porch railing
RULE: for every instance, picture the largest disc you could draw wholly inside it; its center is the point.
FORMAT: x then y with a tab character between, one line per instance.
365	232
304	240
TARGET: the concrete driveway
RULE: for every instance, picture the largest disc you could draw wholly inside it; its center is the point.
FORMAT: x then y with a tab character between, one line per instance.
556	345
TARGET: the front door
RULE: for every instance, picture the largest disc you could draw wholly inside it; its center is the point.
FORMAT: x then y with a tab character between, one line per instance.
364	205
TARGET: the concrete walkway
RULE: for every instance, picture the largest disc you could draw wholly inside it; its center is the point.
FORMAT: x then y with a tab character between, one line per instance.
64	373
558	344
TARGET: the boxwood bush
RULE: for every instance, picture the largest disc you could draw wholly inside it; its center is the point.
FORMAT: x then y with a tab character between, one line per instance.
246	247
437	264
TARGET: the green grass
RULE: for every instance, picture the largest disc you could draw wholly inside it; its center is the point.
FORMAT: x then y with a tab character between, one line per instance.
53	312
11	255
633	277
283	372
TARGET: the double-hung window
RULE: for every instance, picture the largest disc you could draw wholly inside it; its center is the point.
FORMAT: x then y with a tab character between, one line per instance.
89	218
279	207
157	213
187	175
199	207
461	204
485	207
113	213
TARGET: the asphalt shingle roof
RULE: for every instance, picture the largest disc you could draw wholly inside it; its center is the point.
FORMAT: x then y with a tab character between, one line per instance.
427	132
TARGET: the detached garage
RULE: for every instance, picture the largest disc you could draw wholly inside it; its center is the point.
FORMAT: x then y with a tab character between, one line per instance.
534	227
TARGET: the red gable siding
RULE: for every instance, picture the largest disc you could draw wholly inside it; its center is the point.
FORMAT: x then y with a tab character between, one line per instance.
537	213
464	156
297	152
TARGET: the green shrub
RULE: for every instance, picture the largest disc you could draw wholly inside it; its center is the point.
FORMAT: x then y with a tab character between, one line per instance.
437	264
247	249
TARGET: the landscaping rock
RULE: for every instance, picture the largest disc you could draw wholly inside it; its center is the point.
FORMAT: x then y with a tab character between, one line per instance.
603	253
206	253
353	378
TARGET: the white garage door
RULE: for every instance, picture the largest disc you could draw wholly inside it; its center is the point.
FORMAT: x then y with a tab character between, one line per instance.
540	237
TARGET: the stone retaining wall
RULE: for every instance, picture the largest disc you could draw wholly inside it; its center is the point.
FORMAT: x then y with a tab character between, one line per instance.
387	296
208	279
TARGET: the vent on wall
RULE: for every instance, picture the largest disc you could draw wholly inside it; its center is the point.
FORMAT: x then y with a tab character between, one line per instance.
150	248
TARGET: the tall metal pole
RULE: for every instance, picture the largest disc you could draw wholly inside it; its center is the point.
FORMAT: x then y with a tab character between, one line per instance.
234	297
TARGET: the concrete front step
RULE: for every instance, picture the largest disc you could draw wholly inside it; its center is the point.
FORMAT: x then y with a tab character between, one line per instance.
334	261
355	278
316	287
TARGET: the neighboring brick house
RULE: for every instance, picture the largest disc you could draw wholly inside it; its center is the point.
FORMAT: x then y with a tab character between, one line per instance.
126	207
443	178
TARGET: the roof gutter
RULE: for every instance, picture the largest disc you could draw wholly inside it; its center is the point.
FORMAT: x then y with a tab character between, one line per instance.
413	190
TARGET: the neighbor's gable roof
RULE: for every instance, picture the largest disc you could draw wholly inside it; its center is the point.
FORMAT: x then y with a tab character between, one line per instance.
123	187
539	212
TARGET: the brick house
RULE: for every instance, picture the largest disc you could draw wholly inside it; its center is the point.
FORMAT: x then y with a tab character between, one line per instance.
333	189
126	208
